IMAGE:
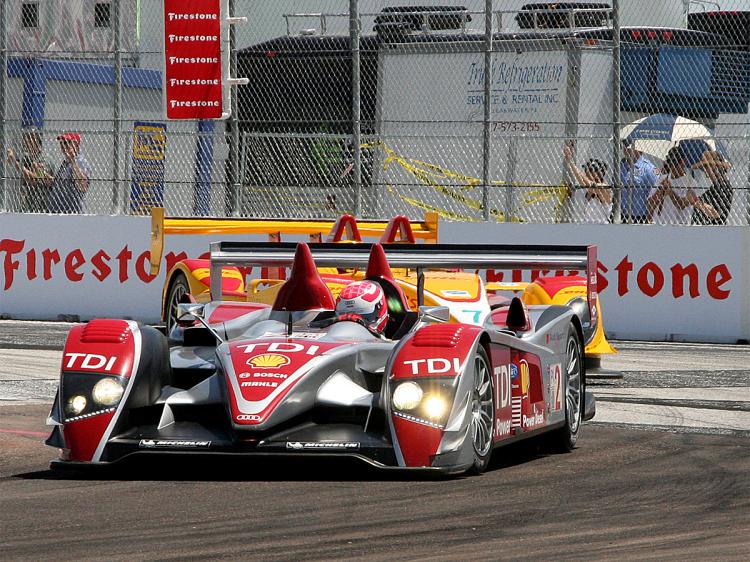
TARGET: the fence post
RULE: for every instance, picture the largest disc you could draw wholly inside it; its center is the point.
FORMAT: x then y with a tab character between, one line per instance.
118	203
616	182
486	136
233	207
3	98
204	168
356	106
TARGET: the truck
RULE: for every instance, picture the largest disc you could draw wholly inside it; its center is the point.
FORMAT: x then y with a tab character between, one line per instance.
422	106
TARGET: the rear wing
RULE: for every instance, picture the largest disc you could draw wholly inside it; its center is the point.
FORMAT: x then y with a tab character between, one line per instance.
418	257
346	228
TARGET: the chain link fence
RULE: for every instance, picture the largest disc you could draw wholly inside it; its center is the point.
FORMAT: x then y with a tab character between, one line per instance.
597	112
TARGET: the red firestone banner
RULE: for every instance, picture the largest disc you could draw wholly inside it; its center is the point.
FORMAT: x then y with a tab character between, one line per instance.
192	65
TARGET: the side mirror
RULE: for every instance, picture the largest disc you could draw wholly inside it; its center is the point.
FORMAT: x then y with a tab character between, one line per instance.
430	314
189	311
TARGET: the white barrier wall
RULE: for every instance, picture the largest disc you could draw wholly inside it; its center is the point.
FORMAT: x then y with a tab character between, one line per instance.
656	283
89	266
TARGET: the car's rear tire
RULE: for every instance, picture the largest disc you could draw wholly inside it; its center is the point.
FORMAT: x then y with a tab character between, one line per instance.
482	413
564	439
178	287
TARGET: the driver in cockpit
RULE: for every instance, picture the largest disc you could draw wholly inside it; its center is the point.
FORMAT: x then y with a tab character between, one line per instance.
363	302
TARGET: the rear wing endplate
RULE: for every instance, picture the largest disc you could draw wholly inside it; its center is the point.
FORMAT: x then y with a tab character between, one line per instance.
346	227
418	257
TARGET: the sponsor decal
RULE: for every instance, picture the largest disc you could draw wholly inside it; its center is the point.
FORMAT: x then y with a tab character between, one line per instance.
147	168
523	369
502	427
295	335
171	16
534	420
554	337
268	384
434	366
318	445
279	347
24	259
193	65
247	417
651	279
51	264
268	361
89	362
262	374
173	443
502	386
455	293
555	386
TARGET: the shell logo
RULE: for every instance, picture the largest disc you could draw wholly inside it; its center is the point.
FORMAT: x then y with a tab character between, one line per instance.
524	376
268	361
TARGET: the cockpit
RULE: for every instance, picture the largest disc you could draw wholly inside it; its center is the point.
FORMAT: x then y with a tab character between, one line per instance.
306	292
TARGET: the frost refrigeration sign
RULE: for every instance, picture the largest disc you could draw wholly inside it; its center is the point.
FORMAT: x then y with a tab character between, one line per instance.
437	87
527	93
430	119
193	68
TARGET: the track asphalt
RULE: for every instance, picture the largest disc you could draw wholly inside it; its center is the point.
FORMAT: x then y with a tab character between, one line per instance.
661	473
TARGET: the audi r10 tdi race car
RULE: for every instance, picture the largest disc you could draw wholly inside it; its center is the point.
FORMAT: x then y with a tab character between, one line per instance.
436	387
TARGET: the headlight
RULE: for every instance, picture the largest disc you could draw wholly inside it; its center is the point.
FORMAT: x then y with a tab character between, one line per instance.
107	392
407	396
434	407
75	404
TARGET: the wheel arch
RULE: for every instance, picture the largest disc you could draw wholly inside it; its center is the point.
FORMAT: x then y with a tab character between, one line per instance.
576	321
181	268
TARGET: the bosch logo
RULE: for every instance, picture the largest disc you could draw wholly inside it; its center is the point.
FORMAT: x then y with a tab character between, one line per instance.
247	417
261	374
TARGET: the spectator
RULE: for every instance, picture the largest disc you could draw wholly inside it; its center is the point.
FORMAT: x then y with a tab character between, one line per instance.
591	201
673	199
718	196
72	178
638	176
35	172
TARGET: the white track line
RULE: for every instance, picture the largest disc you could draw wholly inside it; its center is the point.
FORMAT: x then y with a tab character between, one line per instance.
673	416
722	394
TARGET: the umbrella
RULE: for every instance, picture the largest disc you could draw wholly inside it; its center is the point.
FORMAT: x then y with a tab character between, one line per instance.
656	134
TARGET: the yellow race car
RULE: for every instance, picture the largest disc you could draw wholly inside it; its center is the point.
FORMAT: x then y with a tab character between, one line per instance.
468	297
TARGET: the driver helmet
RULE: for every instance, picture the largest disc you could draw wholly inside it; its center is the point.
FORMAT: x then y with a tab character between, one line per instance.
366	300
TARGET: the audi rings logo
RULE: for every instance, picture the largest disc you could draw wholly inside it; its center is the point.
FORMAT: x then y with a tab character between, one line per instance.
247	417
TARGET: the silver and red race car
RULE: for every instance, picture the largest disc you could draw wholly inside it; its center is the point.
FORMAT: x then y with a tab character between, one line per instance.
438	389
